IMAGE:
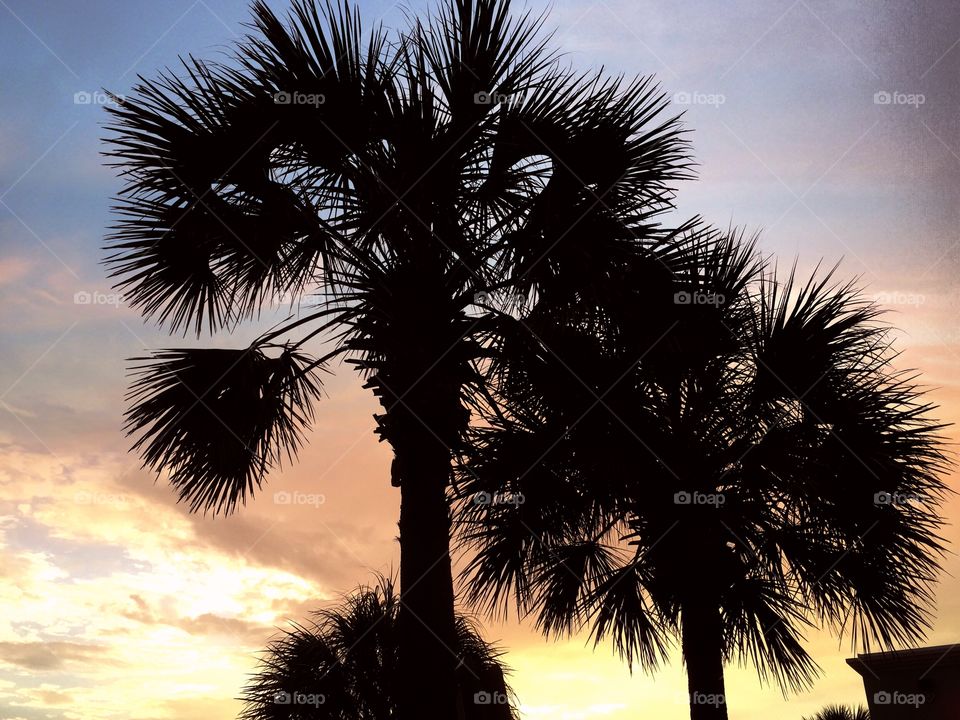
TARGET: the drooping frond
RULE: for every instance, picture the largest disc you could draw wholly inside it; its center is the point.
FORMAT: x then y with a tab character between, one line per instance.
765	623
216	420
623	612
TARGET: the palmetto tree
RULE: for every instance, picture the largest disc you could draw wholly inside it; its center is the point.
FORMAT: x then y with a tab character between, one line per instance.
345	665
709	454
401	185
841	712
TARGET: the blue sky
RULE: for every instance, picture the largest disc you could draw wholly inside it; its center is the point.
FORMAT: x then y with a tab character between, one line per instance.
830	126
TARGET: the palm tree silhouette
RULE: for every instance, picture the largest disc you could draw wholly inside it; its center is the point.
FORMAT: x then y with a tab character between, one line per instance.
404	185
841	712
345	665
709	454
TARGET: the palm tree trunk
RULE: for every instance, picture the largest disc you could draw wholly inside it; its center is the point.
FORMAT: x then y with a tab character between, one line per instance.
427	633
702	639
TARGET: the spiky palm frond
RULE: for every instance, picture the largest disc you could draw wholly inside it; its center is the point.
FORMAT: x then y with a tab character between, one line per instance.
344	664
765	624
478	52
810	339
841	712
851	442
230	171
611	153
218	419
624	612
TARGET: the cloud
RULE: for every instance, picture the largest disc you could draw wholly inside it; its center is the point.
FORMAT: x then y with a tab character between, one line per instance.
13	269
53	697
208	624
248	633
48	655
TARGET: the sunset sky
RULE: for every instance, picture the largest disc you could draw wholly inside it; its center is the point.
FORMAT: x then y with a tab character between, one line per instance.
117	603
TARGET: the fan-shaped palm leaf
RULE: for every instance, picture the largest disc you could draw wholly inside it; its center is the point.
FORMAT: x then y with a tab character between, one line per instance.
217	419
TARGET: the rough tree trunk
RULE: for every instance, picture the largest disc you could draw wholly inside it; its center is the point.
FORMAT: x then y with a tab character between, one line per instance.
418	377
702	638
426	620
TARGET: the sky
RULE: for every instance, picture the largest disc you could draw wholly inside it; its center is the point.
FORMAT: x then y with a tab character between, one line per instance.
829	126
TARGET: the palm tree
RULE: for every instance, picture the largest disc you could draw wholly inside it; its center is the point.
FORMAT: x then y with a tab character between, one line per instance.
345	665
841	712
710	454
402	186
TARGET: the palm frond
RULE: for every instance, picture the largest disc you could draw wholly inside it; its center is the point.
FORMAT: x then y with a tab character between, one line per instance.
217	420
764	624
841	712
622	612
235	176
612	158
478	51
